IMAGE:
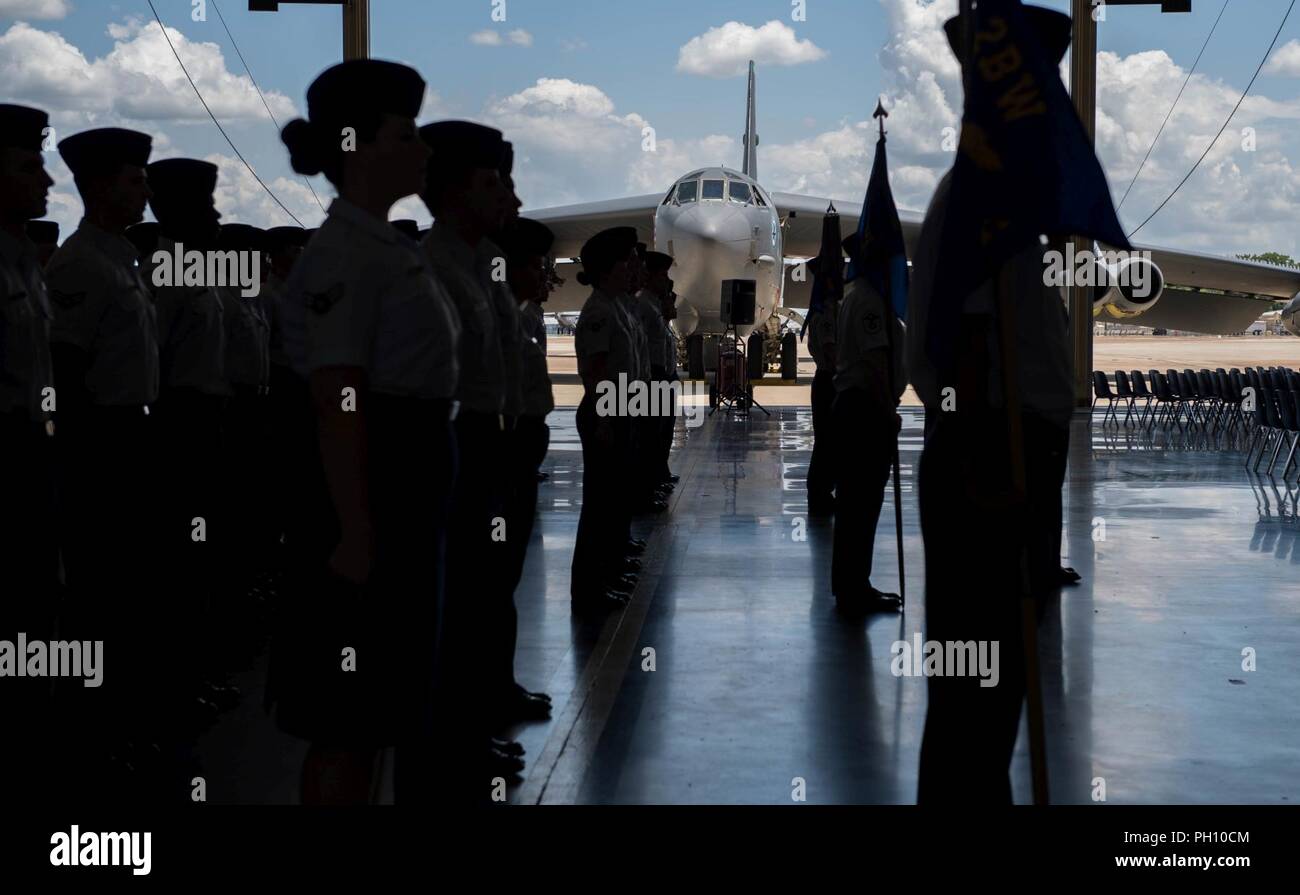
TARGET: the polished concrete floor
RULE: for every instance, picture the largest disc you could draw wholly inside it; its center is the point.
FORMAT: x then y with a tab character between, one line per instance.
731	679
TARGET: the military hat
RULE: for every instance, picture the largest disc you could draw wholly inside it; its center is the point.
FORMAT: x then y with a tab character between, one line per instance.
507	158
365	85
281	237
657	262
458	145
22	127
104	150
43	232
608	247
242	237
1052	29
144	236
407	227
182	178
526	238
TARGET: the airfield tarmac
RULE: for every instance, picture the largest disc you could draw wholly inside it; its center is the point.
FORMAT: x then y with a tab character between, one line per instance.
1110	353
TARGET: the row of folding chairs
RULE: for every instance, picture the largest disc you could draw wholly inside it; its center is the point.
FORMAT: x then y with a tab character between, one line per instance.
1261	404
1277	418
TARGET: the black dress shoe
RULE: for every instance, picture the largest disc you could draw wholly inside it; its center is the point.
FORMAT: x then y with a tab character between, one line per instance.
543	476
508	747
500	764
534	693
1069	576
631	564
524	706
673	477
867	601
626	581
636	545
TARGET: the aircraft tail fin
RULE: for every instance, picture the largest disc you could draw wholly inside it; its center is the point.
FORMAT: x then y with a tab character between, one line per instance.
750	167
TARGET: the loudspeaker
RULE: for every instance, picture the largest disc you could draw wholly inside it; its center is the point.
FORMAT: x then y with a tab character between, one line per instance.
738	302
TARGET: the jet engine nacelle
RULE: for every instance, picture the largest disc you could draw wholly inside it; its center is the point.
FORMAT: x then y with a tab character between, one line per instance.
1132	287
1291	317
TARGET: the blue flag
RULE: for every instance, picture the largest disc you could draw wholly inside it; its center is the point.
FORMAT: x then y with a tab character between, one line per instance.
882	256
827	269
1024	168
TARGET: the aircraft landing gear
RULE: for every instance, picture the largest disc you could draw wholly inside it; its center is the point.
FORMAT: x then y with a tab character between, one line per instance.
756	356
789	356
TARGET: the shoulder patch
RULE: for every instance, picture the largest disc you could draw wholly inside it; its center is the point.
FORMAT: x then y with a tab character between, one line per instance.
322	302
67	300
873	322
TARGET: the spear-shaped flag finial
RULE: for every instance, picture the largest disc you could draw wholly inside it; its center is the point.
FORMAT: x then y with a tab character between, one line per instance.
881	114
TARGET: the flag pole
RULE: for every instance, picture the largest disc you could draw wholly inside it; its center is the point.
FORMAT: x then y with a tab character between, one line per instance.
1019	490
887	299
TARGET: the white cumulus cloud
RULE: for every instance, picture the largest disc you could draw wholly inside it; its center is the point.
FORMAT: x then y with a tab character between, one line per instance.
1285	60
34	9
489	38
725	51
137	80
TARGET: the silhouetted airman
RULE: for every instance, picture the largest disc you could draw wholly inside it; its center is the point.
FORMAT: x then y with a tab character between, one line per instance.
378	349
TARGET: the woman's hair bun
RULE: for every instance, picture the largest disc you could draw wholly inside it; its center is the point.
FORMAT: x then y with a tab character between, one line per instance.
304	147
583	278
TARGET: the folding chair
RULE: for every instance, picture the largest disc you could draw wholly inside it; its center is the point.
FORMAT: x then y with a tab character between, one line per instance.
1101	392
1124	393
1141	393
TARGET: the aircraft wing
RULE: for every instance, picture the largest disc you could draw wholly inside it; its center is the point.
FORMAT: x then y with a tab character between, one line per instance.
1247	285
573	225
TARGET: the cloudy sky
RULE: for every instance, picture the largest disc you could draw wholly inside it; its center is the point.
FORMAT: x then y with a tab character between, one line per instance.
574	83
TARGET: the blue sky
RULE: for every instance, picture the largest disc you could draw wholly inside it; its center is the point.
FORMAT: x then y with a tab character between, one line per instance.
612	67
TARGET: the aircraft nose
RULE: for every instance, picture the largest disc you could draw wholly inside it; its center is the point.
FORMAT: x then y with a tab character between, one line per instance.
714	225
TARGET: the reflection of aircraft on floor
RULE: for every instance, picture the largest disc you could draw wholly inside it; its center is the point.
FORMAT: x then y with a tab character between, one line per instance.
720	224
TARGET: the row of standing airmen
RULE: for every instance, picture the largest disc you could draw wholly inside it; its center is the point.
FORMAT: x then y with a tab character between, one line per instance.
378	412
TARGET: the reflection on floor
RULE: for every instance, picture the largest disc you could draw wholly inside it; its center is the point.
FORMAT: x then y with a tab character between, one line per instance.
731	679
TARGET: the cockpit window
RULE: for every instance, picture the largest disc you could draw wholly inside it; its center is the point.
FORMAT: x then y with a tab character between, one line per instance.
738	192
758	197
712	189
686	190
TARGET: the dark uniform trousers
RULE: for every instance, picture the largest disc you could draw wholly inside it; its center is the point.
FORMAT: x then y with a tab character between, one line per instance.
108	524
28	592
27	538
475	609
864	452
605	521
393	624
664	426
526	449
245	439
972	569
821	468
292	433
189	468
